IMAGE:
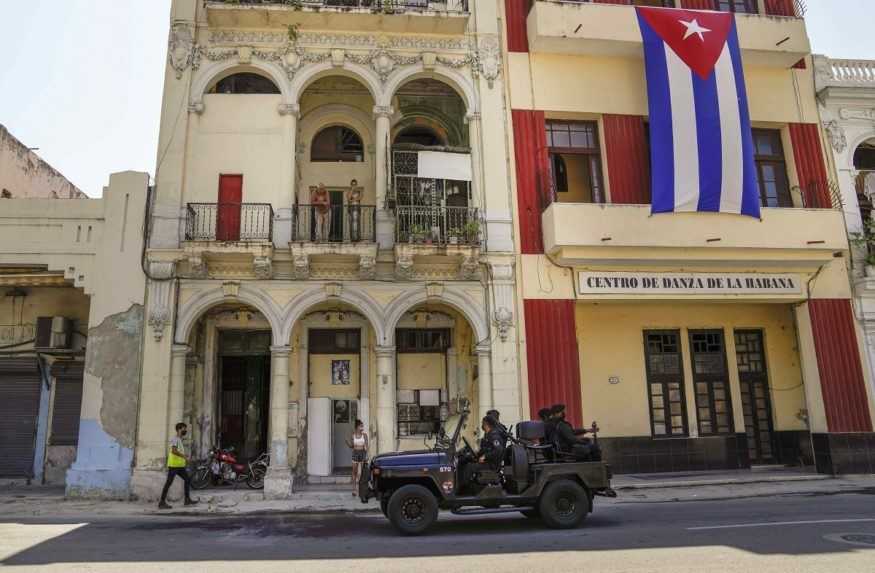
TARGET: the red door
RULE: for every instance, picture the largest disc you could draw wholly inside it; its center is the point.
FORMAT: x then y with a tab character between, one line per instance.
230	200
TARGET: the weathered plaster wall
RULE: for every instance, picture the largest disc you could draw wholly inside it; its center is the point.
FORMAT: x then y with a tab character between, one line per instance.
24	174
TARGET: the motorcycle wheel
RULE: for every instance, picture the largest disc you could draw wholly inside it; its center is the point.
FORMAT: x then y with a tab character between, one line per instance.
255	480
201	478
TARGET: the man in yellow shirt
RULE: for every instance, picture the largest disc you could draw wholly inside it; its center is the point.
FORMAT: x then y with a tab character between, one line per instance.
176	462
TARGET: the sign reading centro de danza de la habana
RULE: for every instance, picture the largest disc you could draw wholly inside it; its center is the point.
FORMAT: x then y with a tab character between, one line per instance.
688	283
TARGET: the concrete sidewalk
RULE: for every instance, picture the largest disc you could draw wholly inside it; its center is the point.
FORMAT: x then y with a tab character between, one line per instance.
639	488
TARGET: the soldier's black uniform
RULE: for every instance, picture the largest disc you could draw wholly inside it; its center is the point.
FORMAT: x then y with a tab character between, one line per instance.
567	440
492	449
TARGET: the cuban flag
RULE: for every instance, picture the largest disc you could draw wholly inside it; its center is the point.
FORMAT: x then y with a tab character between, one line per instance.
702	154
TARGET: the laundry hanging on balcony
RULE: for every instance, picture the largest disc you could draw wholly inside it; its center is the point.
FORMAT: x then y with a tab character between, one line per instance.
702	152
443	165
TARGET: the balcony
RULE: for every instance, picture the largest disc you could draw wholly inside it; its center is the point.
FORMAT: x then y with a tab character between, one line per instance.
424	233
241	235
585	28
335	236
840	74
393	16
577	234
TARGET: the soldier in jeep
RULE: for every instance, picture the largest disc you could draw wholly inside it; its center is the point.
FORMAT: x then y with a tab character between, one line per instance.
491	451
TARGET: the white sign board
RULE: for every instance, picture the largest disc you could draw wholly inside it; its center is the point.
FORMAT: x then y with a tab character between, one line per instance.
589	283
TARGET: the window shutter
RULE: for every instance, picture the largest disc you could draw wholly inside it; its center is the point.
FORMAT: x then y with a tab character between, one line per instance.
698	4
810	166
627	151
780	8
67	405
532	174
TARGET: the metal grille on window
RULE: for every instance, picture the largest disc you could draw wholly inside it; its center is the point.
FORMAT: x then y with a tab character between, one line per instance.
665	384
711	380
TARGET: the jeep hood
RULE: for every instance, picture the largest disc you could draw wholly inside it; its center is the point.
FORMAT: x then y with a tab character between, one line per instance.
423	458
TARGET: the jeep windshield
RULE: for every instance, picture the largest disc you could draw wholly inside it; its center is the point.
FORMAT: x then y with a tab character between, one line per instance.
451	429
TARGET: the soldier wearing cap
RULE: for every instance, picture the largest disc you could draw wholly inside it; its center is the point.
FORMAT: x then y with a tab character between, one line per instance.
568	439
491	450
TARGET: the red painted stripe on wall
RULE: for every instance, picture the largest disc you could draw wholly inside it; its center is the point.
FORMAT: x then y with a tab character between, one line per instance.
530	150
621	2
698	4
841	371
780	8
553	358
516	12
810	166
628	165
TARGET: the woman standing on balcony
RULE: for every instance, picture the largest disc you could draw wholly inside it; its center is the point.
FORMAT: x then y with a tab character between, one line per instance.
321	201
359	447
354	199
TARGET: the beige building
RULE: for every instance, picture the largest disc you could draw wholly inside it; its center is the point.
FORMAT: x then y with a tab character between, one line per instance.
71	320
698	341
330	238
23	174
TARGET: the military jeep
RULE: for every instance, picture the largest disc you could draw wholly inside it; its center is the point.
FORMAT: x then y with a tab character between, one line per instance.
535	480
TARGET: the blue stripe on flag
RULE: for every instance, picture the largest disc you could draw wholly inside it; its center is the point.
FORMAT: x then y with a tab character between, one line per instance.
710	141
661	138
750	194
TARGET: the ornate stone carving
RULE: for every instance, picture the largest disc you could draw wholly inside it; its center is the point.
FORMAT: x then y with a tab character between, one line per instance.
867	114
181	48
333	290
404	266
434	290
196	107
197	266
470	267
289	109
263	268
489	59
836	135
160	294
230	289
503	319
301	266
367	267
383	111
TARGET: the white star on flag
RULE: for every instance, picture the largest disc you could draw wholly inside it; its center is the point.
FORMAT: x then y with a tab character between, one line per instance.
694	28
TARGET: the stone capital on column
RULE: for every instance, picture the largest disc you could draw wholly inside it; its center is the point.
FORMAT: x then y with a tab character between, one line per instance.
280	350
386	111
291	109
483	350
180	350
385	351
472	117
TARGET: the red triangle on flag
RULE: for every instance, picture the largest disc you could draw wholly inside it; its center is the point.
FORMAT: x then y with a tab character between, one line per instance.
697	37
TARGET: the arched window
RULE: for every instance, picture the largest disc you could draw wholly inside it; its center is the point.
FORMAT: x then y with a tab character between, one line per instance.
337	143
245	83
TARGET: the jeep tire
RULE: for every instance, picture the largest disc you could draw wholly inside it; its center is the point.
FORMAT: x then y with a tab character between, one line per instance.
412	509
563	505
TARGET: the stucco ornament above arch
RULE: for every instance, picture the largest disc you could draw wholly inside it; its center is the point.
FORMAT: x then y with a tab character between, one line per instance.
474	313
192	309
355	297
208	75
439	72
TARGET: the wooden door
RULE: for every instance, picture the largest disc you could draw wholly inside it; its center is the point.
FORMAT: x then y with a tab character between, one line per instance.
755	395
228	211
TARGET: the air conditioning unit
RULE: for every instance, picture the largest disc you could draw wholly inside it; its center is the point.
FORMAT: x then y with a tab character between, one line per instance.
53	333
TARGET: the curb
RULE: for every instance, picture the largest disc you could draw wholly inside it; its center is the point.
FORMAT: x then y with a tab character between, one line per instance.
727	481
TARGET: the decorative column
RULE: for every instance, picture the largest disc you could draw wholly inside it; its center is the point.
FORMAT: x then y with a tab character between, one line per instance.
386	398
385	228
365	382
179	355
278	482
282	232
484	378
473	120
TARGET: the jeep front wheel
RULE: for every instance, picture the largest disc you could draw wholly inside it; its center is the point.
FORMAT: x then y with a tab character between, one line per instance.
412	509
563	505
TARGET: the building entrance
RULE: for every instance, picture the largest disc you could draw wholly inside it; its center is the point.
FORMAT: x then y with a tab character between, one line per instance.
244	392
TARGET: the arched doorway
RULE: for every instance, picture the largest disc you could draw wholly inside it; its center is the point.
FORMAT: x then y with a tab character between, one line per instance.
864	164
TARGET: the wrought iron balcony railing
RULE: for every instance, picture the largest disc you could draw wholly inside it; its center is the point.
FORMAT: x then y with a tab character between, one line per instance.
386	6
335	224
229	222
790	8
435	225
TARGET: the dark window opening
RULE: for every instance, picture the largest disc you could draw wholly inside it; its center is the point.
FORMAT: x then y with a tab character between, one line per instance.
246	83
711	381
665	384
418	135
334	341
337	143
737	6
6	194
423	340
575	161
771	167
864	162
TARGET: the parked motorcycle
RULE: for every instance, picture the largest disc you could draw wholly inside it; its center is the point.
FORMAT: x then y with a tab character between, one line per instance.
222	467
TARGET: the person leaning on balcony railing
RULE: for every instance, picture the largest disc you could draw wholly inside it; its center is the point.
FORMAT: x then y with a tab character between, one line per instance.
354	200
320	199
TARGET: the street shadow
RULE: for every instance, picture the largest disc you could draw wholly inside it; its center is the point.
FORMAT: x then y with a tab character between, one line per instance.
237	538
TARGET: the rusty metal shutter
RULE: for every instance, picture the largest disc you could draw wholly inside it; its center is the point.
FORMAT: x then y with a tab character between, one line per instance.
19	410
67	405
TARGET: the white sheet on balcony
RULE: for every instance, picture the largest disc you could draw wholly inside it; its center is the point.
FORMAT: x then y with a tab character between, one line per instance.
441	165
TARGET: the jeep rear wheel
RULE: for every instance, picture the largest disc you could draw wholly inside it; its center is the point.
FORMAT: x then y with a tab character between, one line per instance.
412	509
563	505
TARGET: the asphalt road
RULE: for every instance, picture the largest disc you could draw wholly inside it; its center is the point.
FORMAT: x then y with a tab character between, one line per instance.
791	533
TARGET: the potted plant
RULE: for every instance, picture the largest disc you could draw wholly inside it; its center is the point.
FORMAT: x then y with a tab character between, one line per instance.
472	231
454	235
865	242
417	234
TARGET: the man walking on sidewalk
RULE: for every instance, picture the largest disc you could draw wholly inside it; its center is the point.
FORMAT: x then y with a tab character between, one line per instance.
176	462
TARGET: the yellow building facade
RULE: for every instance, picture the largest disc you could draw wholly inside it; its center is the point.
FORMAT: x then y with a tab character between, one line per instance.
696	341
331	233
